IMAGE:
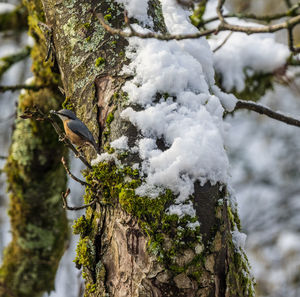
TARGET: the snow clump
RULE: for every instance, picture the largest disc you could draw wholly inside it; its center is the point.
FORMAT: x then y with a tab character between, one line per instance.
191	125
255	53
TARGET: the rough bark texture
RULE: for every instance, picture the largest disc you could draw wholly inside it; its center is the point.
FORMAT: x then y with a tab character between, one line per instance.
129	246
35	181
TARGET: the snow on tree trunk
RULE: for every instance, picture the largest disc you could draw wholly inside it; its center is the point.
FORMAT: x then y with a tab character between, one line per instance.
166	225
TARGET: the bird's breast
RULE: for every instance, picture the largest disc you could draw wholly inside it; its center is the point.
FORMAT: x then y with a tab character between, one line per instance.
73	137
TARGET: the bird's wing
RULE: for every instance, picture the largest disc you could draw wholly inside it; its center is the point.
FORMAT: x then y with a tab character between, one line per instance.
81	129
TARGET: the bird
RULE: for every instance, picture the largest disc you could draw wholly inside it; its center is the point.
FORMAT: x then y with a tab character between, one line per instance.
76	131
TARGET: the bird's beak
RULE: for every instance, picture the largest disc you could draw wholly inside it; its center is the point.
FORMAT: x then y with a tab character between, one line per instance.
53	112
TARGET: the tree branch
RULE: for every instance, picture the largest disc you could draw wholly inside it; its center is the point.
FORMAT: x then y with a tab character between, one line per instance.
66	206
241	104
220	11
83	183
223	42
20	87
8	61
134	33
222	27
266	18
291	41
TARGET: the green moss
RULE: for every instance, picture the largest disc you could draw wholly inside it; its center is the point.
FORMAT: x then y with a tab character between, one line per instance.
67	104
99	62
87	25
36	238
239	278
117	186
85	253
109	119
81	226
91	288
107	17
234	218
197	16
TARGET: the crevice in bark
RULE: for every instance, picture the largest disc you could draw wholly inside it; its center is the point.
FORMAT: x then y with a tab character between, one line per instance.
205	201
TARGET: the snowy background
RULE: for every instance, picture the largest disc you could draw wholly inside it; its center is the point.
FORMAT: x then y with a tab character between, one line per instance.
264	164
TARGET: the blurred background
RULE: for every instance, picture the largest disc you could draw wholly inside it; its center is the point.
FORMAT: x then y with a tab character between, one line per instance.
265	169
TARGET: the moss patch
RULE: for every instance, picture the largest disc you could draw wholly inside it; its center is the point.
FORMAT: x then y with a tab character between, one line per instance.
168	234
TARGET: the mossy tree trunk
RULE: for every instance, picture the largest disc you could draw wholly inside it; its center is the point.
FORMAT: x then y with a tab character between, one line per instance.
35	180
129	245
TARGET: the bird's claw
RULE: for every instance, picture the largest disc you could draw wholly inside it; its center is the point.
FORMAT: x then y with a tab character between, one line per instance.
61	138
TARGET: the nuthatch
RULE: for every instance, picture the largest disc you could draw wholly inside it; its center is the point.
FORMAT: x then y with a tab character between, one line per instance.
76	131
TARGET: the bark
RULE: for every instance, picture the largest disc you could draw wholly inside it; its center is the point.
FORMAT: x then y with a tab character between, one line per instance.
128	245
35	180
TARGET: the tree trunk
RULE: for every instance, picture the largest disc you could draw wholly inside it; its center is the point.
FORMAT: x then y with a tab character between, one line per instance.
35	180
130	245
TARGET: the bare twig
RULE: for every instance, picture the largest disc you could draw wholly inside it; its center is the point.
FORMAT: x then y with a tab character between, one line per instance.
222	27
66	206
20	87
266	18
7	61
220	11
241	104
134	33
3	157
83	183
223	42
291	41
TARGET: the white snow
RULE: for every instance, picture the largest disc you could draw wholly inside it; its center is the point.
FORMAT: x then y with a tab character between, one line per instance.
265	161
6	7
29	81
238	239
137	9
258	52
191	125
189	115
120	143
105	157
